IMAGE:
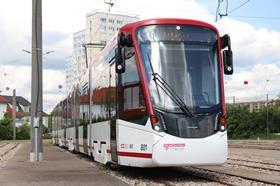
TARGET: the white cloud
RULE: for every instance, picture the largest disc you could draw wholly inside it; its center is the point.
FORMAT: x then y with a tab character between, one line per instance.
249	44
19	78
262	79
148	9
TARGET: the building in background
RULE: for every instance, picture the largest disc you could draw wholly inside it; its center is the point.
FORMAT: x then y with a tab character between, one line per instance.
23	108
101	26
76	64
255	106
3	106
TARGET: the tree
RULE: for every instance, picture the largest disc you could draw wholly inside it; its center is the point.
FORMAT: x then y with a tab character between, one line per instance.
6	132
6	129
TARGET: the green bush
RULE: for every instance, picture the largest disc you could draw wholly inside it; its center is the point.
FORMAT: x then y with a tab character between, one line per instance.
6	128
47	136
23	132
6	132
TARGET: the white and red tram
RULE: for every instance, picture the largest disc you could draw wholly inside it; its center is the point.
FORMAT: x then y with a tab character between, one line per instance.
154	97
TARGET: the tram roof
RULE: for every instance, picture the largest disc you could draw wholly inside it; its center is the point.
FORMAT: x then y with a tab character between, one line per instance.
129	28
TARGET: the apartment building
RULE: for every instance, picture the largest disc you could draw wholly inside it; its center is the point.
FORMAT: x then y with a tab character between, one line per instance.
101	26
76	65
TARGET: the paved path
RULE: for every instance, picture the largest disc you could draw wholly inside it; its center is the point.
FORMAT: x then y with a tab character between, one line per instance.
58	168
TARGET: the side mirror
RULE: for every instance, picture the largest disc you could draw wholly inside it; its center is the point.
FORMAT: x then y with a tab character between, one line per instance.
120	54
120	60
227	59
227	55
123	41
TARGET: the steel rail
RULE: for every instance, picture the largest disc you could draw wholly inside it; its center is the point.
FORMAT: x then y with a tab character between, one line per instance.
7	151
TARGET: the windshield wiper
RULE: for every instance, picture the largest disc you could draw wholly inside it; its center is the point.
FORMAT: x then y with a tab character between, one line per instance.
160	82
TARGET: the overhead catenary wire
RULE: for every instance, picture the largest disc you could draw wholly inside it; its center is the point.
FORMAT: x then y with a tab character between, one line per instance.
255	17
218	10
236	8
227	13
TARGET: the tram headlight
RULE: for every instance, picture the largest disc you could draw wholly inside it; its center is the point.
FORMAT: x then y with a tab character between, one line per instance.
157	128
220	122
158	122
223	123
155	123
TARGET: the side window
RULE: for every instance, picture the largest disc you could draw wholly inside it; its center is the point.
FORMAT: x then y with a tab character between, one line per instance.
100	92
132	105
63	114
84	107
77	95
69	111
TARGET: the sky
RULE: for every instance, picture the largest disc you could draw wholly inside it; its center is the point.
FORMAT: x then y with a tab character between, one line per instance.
254	29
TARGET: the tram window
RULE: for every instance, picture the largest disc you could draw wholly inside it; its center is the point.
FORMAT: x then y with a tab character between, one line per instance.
101	90
132	105
84	107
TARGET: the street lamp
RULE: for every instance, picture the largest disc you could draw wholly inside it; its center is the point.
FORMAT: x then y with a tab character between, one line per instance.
46	53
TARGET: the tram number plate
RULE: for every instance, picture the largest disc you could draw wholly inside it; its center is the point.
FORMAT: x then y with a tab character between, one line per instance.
144	147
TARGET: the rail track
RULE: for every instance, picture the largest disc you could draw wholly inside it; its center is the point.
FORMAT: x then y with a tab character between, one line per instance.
4	144
6	148
255	161
161	176
254	170
255	164
235	178
182	176
250	144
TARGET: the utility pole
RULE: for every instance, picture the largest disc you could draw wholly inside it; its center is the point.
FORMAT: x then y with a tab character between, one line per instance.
233	104
36	152
14	114
267	127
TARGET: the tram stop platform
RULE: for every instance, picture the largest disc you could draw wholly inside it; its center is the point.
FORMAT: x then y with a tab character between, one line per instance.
57	168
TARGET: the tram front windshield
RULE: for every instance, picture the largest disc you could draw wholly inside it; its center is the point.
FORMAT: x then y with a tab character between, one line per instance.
186	58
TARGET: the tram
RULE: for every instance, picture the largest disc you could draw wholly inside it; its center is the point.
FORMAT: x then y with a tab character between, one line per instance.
154	97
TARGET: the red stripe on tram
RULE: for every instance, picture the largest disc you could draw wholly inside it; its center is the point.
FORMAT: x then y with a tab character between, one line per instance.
135	154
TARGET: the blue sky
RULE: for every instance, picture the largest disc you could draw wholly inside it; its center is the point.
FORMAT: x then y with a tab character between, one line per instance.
254	8
255	42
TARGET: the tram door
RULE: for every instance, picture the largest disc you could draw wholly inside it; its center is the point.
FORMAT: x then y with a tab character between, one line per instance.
112	112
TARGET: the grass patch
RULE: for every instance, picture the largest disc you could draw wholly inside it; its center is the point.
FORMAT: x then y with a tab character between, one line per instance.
101	166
